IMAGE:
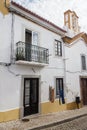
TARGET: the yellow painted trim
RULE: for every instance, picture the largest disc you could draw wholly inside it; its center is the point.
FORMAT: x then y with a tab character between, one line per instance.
9	115
73	105
46	107
49	107
3	9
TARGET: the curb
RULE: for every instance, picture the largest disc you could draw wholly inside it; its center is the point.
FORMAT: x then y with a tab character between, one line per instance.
57	123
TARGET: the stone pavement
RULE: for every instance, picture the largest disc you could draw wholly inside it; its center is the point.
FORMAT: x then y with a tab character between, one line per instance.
76	124
44	120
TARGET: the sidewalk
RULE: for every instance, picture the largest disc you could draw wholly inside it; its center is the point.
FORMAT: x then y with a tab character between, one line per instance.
44	120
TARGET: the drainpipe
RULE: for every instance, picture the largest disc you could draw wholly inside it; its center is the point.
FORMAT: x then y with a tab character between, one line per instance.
64	61
12	39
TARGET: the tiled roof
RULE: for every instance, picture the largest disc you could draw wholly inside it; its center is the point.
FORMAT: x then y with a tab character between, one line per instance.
37	16
70	40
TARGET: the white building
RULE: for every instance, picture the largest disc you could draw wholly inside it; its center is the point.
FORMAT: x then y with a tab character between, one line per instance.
31	63
75	61
41	69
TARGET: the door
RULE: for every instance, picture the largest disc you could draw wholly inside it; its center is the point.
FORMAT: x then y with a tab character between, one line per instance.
60	90
28	42
31	96
84	90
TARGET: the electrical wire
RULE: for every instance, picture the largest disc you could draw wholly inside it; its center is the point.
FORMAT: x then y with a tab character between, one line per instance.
12	72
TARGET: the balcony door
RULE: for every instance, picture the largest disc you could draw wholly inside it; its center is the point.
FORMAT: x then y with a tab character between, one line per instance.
31	96
28	42
31	49
31	37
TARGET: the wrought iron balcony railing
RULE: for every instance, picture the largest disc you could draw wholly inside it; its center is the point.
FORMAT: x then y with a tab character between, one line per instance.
29	52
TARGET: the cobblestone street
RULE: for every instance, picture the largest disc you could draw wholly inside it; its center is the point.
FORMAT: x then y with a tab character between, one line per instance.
78	121
77	124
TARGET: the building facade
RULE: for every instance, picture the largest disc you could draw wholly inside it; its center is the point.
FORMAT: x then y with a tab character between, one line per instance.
75	61
31	63
43	67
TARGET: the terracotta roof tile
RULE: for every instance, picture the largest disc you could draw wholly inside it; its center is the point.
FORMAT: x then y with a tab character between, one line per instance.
70	40
39	17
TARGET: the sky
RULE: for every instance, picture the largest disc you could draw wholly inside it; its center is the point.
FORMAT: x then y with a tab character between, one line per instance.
53	10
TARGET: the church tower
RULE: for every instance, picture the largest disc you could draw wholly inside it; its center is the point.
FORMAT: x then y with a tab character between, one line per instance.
3	4
71	21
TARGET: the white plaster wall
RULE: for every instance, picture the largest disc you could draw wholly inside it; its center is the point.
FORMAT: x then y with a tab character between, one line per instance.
73	68
10	85
46	39
10	78
48	77
5	37
10	88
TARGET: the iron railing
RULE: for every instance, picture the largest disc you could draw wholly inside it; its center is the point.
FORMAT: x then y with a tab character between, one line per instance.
29	52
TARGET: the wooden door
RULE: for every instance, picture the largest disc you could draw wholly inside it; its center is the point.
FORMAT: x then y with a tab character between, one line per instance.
84	90
31	95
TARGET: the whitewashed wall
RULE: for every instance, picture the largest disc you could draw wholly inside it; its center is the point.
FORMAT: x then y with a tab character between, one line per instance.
5	37
73	68
10	77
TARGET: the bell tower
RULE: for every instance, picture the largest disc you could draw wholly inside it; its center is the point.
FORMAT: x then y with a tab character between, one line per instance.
3	4
71	21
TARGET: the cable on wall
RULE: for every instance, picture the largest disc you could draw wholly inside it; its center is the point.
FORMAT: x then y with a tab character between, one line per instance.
12	72
8	65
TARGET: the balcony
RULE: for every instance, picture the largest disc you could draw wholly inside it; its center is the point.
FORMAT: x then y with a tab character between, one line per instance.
31	54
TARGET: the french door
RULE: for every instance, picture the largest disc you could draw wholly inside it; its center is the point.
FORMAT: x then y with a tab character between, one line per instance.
60	89
31	96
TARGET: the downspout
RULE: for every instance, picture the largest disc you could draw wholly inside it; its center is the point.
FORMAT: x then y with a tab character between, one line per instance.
12	57
64	72
64	61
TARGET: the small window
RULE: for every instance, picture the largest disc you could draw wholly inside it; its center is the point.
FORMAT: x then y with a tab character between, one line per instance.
58	48
59	86
83	60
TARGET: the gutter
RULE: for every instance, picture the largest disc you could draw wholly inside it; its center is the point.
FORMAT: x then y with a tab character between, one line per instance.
20	10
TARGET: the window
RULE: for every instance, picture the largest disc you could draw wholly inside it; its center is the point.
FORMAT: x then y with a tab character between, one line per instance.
60	90
35	38
31	49
83	60
58	48
59	86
